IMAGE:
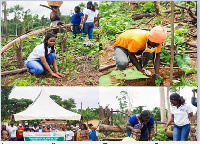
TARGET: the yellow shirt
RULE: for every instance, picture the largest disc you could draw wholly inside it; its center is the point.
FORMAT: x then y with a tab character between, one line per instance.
134	40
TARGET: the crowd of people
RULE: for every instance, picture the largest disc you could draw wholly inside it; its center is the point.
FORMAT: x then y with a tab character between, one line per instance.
72	133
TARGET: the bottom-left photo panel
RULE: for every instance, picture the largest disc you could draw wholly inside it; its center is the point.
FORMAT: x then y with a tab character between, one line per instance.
49	113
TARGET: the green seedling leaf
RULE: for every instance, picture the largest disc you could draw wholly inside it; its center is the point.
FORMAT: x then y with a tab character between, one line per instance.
158	81
175	81
104	80
117	72
184	62
133	74
119	77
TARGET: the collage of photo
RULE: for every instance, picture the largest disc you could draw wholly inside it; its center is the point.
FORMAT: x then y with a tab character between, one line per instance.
99	71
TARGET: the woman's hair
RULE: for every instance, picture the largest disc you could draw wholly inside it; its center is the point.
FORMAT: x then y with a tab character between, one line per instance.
84	125
47	37
91	6
145	113
77	11
178	98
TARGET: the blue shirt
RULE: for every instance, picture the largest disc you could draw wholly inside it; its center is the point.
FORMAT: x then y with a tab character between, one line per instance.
93	135
74	19
134	121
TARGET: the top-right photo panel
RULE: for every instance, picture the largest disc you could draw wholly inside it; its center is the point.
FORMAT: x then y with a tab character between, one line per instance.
152	43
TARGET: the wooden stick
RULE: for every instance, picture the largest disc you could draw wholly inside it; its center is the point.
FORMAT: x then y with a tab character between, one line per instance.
14	71
42	30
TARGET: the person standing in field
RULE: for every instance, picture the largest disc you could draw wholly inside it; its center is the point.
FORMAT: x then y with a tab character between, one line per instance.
77	21
140	42
43	56
89	20
181	115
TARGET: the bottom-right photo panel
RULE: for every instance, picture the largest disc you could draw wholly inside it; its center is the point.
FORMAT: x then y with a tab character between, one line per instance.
148	113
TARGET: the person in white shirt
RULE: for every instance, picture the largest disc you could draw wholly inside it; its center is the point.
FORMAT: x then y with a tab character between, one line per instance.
69	135
89	20
13	131
181	112
43	56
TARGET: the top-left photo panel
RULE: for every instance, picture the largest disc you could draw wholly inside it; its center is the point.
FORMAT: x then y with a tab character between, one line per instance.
51	43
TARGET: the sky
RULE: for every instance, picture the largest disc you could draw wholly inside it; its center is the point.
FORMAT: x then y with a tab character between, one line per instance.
35	7
89	96
140	96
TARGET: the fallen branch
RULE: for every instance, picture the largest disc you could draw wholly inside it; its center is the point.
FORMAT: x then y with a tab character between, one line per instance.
14	71
189	11
140	16
43	30
192	44
169	11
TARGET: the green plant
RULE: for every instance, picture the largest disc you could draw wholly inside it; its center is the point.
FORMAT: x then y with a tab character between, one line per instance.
161	135
129	74
184	62
158	81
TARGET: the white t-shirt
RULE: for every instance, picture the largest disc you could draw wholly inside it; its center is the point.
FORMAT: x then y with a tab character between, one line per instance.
91	15
12	131
38	52
69	135
181	114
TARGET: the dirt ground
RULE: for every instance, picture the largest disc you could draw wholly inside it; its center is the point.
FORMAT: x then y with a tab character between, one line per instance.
86	75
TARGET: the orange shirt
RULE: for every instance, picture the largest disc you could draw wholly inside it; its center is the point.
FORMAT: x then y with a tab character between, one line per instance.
134	40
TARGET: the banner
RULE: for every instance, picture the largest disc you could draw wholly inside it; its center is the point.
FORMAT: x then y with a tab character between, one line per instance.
44	136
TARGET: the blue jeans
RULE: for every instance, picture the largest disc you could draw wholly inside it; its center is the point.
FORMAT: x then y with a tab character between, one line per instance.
181	133
88	29
121	57
144	134
36	66
76	30
13	139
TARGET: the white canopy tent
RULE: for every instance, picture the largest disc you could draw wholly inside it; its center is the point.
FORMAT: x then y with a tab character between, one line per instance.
45	108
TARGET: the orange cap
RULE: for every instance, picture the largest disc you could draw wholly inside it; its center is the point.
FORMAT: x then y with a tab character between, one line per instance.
93	127
158	34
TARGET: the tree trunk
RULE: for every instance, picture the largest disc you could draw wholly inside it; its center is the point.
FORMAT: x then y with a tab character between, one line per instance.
172	42
5	22
23	26
19	55
162	104
157	6
102	114
16	28
103	127
168	104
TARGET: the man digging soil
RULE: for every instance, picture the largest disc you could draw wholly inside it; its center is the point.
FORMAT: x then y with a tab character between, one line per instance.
140	42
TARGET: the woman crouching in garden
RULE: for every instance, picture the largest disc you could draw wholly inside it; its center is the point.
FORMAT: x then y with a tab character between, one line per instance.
181	113
43	56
